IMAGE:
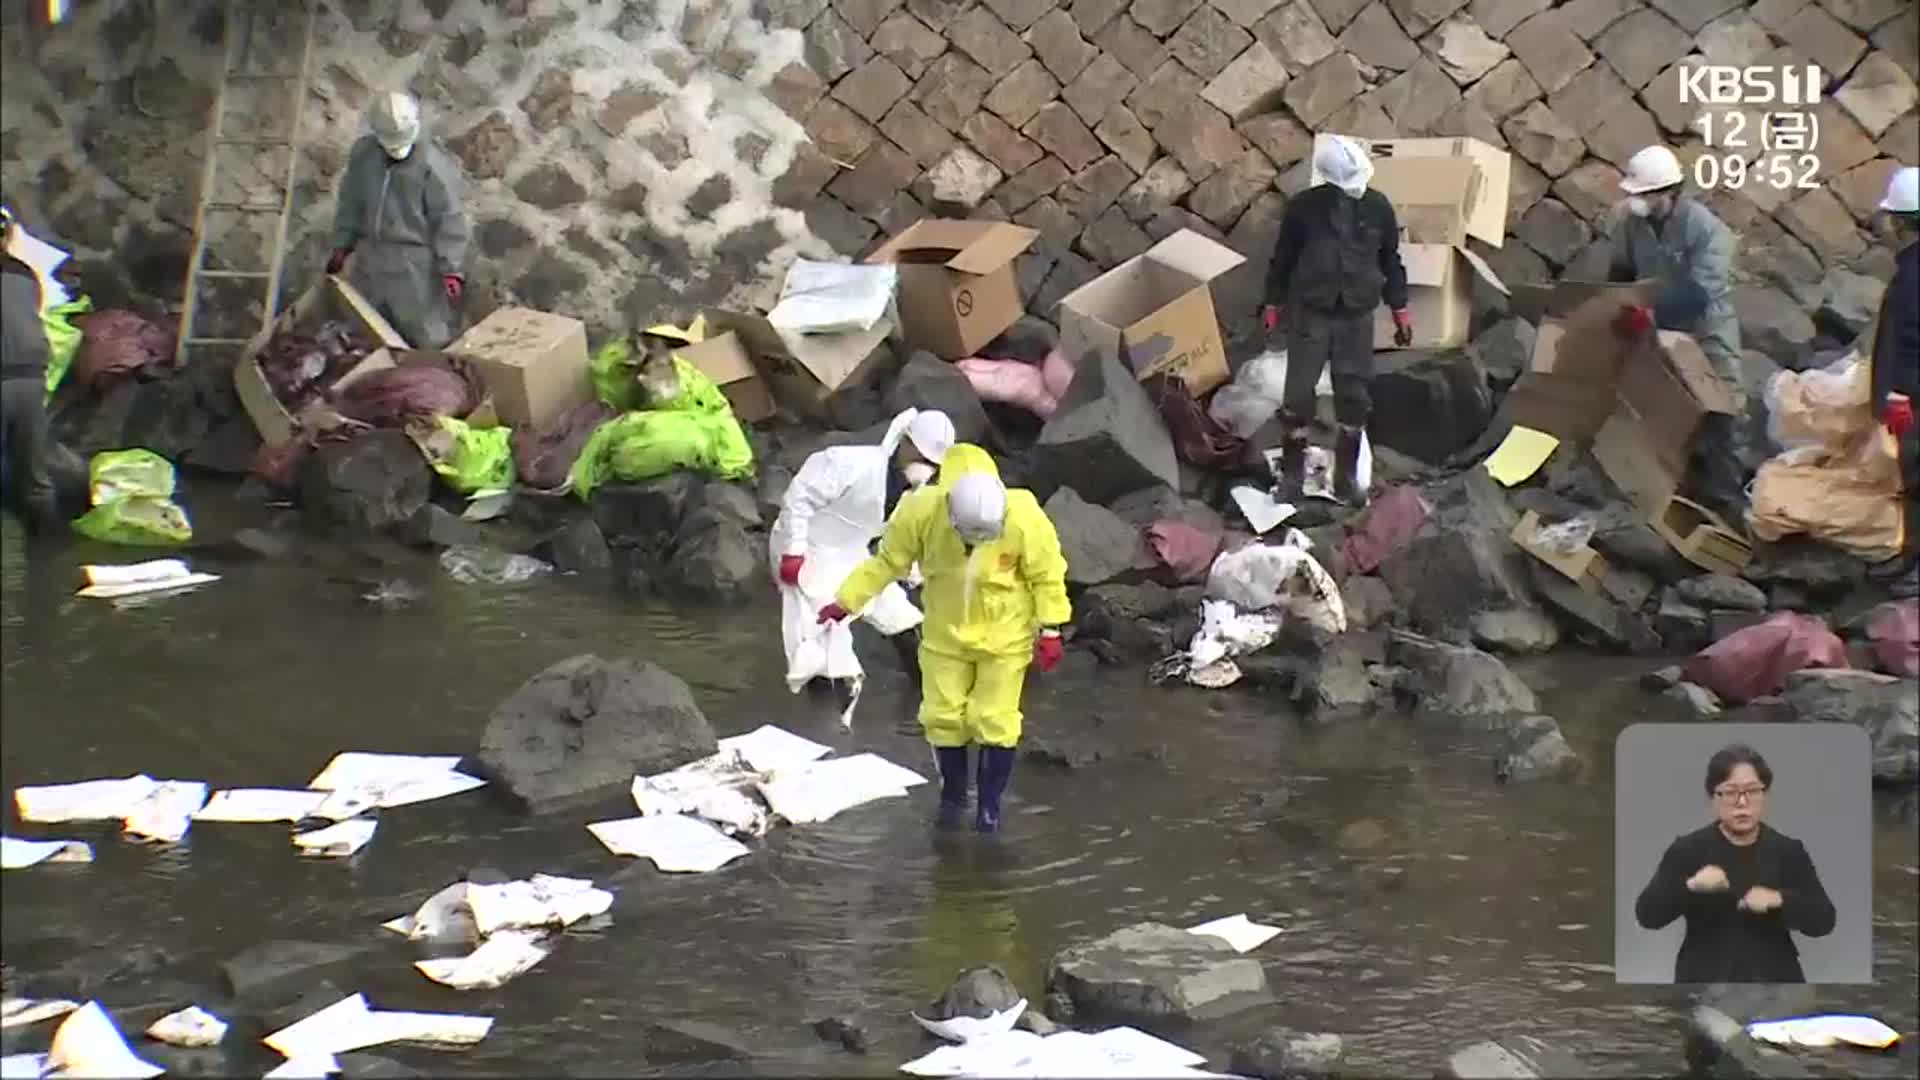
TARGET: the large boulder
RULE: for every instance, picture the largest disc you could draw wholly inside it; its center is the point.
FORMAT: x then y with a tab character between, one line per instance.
1428	405
1522	631
1152	973
718	563
1593	617
369	484
1099	546
1458	680
928	382
1106	440
977	992
1884	705
1448	575
586	726
1535	749
1813	567
1517	1057
646	514
1280	1054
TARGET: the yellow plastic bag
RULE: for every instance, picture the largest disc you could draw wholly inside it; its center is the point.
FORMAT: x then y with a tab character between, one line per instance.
119	474
63	339
469	459
137	521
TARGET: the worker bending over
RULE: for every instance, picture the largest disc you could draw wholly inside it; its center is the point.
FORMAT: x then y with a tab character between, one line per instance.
1662	234
832	512
25	478
995	597
400	219
1896	363
1337	257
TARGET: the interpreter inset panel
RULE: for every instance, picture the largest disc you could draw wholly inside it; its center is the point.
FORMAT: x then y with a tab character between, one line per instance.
1743	853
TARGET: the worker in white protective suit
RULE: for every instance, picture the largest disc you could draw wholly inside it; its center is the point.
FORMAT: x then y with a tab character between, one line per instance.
835	508
401	222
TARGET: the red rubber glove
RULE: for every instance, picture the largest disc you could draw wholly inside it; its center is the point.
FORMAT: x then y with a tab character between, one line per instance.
1047	652
790	569
1898	415
1634	320
1270	317
832	613
337	261
1402	327
455	286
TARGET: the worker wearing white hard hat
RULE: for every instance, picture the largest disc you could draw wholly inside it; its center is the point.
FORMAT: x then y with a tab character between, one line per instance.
831	514
1664	235
996	598
401	221
1896	362
26	481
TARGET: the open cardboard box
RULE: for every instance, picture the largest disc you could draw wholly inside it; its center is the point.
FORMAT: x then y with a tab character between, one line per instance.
1154	313
320	415
724	359
1584	567
804	372
534	364
329	299
1443	190
1560	299
957	289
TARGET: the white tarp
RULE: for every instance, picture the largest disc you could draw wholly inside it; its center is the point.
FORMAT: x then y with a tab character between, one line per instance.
715	788
18	854
1242	933
961	1029
336	841
822	789
88	1044
24	1012
501	958
834	298
165	815
444	916
768	748
542	901
1116	1052
113	582
260	805
312	1067
348	1024
23	1066
1286	576
89	800
191	1027
677	843
1828	1030
361	781
1262	511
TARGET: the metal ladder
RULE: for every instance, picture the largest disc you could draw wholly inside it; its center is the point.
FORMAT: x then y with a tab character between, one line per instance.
240	52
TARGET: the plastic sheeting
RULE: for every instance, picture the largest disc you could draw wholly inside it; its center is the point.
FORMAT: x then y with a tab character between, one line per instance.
1262	576
1839	480
696	430
1011	382
117	344
423	389
1388	525
132	493
469	459
1197	438
1186	551
63	338
834	298
1895	632
1756	661
543	459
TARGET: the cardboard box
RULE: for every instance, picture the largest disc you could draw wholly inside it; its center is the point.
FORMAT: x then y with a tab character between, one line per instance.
957	289
320	415
329	299
1559	299
725	360
1626	450
1443	190
534	364
1671	387
804	372
1702	538
1154	313
1584	567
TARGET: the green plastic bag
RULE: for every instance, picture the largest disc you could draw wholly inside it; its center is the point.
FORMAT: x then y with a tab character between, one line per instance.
612	370
120	474
643	445
138	521
63	338
471	459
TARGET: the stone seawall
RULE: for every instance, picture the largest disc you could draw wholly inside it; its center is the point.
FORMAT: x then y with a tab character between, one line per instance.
645	158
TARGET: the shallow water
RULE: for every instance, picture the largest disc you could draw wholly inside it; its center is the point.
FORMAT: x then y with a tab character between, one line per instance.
1425	906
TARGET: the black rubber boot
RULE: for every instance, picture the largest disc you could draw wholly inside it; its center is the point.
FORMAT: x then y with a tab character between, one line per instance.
1346	464
953	785
1292	480
996	770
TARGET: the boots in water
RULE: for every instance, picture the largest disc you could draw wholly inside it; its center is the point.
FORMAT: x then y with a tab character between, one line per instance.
1346	466
996	769
953	785
1293	465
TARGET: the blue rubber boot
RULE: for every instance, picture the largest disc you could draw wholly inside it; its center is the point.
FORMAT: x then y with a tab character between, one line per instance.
953	785
996	770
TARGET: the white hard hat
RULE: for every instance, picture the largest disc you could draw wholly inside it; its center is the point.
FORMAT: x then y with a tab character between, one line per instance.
395	119
1650	170
1903	191
932	434
977	507
1344	163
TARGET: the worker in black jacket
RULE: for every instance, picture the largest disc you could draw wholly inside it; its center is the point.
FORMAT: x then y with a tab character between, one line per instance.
24	476
1896	361
1338	256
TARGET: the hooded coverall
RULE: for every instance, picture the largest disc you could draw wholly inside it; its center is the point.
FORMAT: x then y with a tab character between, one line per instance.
405	225
983	610
1690	252
24	438
834	508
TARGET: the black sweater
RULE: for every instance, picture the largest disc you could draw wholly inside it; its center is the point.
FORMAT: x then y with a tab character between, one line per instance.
1896	344
23	337
1723	943
1338	253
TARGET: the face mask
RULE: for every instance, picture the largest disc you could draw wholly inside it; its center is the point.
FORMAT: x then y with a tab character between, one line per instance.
919	474
401	154
1639	207
975	537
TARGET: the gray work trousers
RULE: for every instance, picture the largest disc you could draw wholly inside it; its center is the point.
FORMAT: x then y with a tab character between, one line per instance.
399	281
1317	341
1720	448
24	441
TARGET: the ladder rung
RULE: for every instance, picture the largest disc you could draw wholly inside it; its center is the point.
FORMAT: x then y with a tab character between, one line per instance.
246	208
235	274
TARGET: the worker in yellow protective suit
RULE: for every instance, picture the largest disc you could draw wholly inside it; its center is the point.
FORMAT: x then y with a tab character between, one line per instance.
995	599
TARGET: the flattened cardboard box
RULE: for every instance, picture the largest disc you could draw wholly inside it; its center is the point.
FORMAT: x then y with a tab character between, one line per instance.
1671	388
330	298
534	364
804	372
1626	451
724	359
1443	190
957	289
1584	567
1154	313
1559	299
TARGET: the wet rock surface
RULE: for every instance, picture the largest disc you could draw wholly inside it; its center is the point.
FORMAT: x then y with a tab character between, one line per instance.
367	485
1151	973
1885	706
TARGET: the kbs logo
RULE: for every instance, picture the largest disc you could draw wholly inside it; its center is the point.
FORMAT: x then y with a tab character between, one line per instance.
1723	84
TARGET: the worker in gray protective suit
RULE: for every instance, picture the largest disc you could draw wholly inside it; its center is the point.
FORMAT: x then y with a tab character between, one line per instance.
1662	234
400	219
